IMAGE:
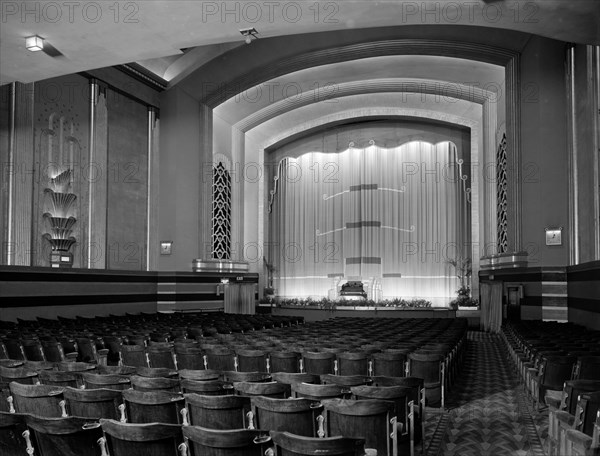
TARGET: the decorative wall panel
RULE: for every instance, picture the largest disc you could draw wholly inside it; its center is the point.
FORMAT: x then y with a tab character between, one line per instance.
502	196
221	213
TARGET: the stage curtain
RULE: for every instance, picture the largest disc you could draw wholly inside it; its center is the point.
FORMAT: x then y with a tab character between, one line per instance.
491	306
239	298
393	214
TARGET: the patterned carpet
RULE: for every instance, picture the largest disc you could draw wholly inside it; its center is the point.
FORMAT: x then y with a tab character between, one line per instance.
487	412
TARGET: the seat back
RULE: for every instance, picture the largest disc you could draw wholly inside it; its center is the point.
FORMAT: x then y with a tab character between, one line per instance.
110	381
251	360
12	426
230	442
133	355
284	361
389	364
131	439
292	415
161	356
555	370
232	376
93	403
345	380
573	388
155	384
207	387
220	358
41	400
22	375
62	436
353	363
318	362
189	358
198	374
290	378
318	392
152	406
268	389
33	350
587	409
368	419
588	368
217	412
425	366
287	444
59	378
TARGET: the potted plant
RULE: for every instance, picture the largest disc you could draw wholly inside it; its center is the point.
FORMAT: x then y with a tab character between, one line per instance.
464	270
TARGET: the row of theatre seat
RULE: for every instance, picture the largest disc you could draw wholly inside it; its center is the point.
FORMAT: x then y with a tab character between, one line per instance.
343	398
559	364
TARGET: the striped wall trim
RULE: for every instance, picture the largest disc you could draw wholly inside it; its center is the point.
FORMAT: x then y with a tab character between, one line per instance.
79	300
590	305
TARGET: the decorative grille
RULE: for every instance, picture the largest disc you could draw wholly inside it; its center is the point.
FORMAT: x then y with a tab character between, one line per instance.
501	196
221	213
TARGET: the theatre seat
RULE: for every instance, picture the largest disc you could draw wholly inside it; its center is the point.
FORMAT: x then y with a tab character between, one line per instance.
284	361
93	403
431	368
155	384
129	439
206	387
42	400
373	420
152	406
117	382
318	362
290	378
319	392
231	442
266	389
12	426
288	444
217	412
293	415
62	436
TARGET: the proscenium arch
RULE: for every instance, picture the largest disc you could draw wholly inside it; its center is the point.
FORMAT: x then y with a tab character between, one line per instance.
507	58
322	123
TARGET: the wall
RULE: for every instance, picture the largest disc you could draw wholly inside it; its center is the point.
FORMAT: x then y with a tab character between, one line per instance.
584	294
179	179
30	292
4	172
52	134
544	161
127	185
544	290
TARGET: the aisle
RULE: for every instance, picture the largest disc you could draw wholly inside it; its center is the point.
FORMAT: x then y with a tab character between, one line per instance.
487	414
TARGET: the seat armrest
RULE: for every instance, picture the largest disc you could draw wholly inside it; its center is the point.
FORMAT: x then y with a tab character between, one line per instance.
579	438
565	418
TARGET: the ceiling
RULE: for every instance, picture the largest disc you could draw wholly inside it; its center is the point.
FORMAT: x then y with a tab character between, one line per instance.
174	38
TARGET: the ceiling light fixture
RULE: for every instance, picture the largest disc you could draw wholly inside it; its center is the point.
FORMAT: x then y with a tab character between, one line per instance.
250	34
34	43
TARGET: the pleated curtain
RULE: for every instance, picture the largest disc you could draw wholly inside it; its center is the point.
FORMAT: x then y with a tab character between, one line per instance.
393	214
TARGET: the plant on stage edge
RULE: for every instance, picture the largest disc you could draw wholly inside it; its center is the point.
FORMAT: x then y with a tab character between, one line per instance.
326	303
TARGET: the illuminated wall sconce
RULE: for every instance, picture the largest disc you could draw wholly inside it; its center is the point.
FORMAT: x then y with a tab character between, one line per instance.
34	43
554	236
224	281
166	247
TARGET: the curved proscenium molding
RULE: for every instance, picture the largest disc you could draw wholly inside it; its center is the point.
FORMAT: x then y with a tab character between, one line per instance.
60	203
62	245
61	183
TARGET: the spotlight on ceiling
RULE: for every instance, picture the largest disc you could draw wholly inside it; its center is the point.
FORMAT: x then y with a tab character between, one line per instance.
34	43
250	34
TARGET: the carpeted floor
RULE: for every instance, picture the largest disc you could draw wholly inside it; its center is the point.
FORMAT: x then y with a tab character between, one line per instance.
487	412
